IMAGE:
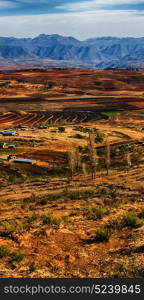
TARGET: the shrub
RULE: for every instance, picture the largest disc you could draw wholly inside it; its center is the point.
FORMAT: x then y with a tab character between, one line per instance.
32	218
20	227
73	213
1	203
32	267
103	234
6	228
61	129
99	137
30	199
141	214
17	256
65	219
114	224
4	251
50	220
75	195
70	195
42	201
132	220
15	179
94	213
79	136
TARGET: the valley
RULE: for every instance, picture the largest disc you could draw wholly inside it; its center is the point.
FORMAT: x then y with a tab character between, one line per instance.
72	173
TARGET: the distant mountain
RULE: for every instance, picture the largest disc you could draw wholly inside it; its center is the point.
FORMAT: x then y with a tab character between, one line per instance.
102	52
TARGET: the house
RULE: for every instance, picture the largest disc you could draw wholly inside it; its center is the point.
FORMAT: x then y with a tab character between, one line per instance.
24	160
11	157
11	146
23	128
2	145
42	127
10	133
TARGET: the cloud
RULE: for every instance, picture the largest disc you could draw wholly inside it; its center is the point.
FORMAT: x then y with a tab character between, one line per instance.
80	25
98	4
33	1
81	19
7	4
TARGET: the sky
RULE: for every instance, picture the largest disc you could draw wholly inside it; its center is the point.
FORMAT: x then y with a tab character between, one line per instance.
81	19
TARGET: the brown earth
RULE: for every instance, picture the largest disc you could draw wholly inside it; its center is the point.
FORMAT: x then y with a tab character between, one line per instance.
45	214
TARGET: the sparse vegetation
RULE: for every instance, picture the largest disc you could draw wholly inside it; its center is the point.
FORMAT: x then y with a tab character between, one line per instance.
62	213
131	219
103	234
17	256
32	267
4	251
94	213
50	220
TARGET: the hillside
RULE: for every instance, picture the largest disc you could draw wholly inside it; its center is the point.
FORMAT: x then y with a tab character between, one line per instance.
71	174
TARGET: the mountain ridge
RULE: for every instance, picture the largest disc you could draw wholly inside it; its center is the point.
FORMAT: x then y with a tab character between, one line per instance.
97	53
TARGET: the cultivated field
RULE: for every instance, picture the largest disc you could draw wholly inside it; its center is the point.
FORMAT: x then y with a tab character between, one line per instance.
72	174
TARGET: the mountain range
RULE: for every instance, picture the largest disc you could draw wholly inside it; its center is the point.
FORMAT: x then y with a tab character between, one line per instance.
55	51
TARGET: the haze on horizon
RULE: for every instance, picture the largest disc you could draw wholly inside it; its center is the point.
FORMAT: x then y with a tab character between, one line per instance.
81	19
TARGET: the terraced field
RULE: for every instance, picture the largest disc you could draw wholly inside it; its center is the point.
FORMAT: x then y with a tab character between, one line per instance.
55	118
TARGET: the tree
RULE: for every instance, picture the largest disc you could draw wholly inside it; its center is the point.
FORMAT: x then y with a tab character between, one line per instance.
93	157
128	159
107	156
61	129
84	168
99	136
74	160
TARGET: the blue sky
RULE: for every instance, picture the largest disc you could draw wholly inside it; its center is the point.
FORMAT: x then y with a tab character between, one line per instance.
80	18
22	7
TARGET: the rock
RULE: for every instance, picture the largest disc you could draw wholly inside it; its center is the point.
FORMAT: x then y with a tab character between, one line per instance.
64	230
70	259
48	232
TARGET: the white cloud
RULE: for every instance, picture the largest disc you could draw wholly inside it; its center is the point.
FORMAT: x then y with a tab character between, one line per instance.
95	4
80	25
34	1
7	4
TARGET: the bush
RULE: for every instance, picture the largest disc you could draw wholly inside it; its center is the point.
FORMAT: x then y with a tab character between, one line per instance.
103	234
20	227
30	199
50	220
13	179
79	136
4	251
42	201
99	137
75	195
32	267
32	218
70	195
114	224
94	213
141	214
6	228
132	220
17	256
61	129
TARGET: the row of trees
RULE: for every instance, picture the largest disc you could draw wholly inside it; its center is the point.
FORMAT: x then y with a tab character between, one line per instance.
75	160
